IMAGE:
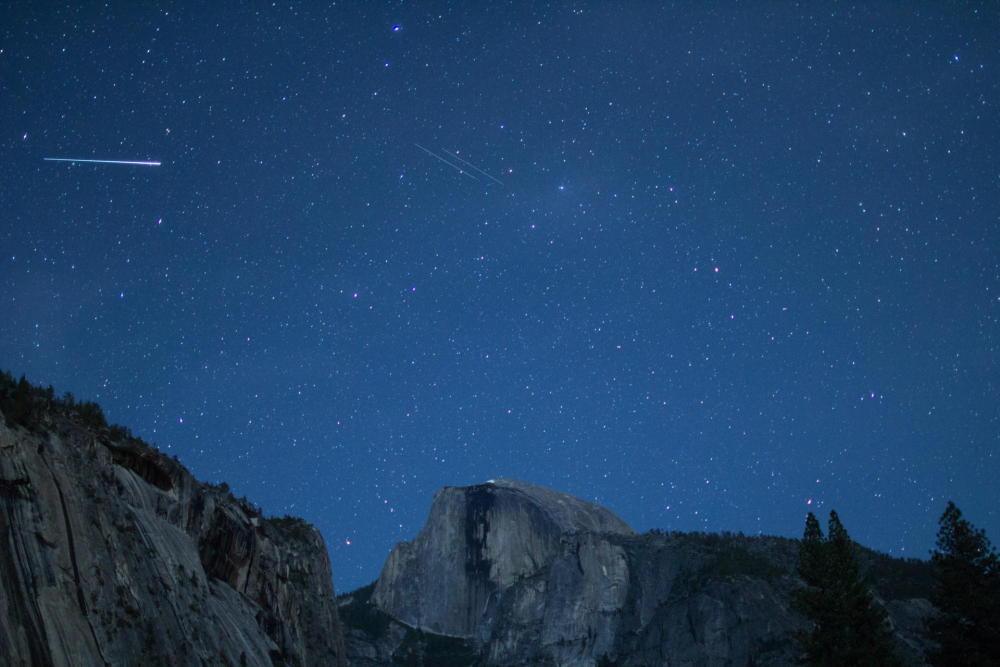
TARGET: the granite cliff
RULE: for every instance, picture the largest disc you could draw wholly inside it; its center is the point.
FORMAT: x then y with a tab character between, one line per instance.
479	542
113	554
508	573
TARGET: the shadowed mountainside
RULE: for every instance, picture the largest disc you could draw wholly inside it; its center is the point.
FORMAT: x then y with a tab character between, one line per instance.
113	554
508	573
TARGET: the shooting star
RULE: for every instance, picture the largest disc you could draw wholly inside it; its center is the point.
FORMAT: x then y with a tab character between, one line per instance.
10	342
446	162
473	166
66	159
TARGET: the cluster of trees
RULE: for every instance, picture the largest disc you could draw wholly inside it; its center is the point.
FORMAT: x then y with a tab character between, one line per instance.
26	405
968	595
851	629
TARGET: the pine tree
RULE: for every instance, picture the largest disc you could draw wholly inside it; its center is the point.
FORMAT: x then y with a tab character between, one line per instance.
19	409
849	628
968	595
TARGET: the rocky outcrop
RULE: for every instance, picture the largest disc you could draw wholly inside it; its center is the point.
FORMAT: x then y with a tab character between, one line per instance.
528	576
478	542
374	638
113	554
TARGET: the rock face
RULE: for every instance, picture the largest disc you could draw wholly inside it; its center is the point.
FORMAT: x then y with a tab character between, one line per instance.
528	576
374	638
478	542
116	555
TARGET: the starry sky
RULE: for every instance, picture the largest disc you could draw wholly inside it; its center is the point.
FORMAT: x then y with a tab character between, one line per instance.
711	266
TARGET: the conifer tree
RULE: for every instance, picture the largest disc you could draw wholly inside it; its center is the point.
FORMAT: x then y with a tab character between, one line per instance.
849	628
18	409
968	595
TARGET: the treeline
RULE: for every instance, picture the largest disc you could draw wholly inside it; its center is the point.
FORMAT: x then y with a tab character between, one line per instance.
851	629
27	405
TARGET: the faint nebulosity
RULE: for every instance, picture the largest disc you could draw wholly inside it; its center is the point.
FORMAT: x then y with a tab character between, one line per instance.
710	266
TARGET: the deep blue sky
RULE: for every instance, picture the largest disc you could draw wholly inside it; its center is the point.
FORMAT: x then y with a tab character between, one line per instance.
743	262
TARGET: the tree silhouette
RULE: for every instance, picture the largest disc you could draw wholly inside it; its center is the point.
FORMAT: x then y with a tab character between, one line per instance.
18	401
968	595
849	628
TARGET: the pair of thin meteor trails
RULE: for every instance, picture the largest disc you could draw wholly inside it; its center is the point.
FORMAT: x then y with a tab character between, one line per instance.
457	167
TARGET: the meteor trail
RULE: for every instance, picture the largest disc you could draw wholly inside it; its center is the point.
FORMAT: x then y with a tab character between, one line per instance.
446	162
66	159
474	167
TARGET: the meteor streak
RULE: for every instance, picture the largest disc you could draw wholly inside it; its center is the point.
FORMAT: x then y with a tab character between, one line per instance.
66	159
446	162
474	167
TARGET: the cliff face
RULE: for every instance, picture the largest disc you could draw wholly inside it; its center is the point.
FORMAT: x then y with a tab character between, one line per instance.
528	576
478	542
116	555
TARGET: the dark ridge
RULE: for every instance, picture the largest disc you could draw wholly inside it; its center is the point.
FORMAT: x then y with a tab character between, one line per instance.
143	463
419	648
358	612
898	578
426	649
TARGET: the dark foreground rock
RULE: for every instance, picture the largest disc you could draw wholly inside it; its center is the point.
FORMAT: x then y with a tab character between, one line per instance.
113	554
508	573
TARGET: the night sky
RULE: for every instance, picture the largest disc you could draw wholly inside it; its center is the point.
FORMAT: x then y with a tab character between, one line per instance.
710	266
